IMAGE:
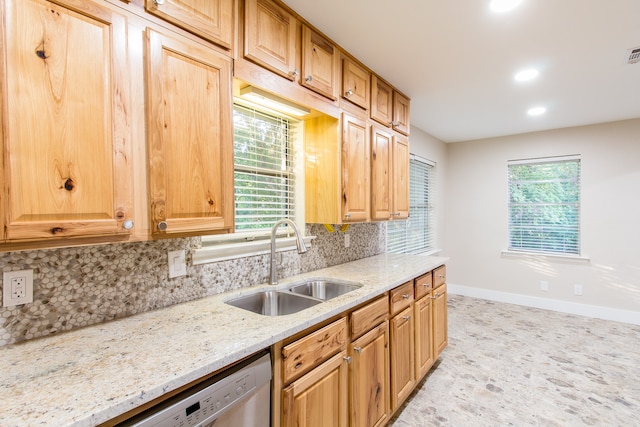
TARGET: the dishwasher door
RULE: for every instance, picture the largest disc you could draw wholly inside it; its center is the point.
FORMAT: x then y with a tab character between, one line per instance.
239	396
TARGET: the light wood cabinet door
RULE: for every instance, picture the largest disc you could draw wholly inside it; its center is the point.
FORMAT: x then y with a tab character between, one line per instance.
401	113
67	148
381	174
212	20
355	169
190	137
424	336
440	327
270	37
355	83
403	378
400	177
381	101
370	378
320	63
319	398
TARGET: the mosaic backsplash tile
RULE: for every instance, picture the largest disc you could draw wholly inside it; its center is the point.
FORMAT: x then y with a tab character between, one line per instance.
81	286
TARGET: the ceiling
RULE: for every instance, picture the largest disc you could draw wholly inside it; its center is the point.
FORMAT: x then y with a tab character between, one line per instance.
456	59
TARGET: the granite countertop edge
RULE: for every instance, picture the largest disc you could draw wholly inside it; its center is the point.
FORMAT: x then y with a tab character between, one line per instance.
88	376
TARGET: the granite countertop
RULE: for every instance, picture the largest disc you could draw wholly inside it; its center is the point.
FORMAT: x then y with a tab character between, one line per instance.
91	375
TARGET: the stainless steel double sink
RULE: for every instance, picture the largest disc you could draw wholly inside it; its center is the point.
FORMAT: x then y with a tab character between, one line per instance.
293	299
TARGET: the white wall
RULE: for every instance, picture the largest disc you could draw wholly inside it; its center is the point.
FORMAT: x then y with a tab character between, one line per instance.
475	221
426	146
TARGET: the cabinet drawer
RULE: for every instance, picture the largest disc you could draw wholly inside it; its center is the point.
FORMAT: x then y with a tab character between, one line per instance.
367	317
401	297
306	353
439	276
423	284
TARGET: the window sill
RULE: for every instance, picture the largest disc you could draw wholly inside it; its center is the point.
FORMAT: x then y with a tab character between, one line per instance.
223	252
574	258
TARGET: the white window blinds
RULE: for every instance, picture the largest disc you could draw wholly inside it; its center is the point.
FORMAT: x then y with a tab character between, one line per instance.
415	235
263	170
544	205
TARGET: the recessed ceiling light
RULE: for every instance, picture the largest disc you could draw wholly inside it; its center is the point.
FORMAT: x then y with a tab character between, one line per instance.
500	6
525	75
536	111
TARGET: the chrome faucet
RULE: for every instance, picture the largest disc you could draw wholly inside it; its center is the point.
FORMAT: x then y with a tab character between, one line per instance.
302	248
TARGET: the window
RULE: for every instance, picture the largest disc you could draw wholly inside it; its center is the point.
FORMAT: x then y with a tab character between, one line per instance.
415	235
263	170
544	205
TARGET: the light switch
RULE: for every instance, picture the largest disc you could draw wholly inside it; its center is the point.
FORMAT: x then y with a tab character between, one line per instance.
177	264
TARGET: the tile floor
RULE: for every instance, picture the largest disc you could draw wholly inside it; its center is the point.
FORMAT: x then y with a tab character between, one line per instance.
508	365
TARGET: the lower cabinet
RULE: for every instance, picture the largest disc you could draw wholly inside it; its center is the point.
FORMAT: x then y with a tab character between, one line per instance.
370	378
403	377
440	332
360	367
319	398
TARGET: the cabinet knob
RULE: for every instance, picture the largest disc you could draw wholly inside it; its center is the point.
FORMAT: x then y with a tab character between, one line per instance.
309	78
162	225
294	73
348	93
347	358
357	349
127	225
158	2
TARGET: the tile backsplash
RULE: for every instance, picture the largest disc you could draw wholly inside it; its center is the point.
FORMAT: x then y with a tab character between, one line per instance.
81	286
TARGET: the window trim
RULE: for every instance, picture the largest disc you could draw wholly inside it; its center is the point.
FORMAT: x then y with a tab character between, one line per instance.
509	252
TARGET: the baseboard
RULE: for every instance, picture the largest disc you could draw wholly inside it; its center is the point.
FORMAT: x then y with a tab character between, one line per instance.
607	313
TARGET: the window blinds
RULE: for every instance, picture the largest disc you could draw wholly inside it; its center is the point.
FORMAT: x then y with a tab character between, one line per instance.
544	205
415	235
263	170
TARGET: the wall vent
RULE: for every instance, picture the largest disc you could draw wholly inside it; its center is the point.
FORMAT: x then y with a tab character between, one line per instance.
633	55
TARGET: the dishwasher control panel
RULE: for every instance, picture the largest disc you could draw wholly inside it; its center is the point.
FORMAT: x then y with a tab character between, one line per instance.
211	402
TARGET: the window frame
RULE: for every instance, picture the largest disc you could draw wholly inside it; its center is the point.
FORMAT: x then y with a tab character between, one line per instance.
542	248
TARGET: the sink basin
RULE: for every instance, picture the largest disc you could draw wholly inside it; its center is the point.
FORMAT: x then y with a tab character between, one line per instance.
323	289
273	303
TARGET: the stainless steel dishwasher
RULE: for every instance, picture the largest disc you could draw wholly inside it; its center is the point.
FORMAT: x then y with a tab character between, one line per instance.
239	396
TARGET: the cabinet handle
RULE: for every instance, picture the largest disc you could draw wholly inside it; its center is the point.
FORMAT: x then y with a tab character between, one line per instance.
394	123
162	225
294	73
437	296
441	276
127	225
405	296
357	349
347	358
348	93
406	317
398	214
158	2
309	78
347	215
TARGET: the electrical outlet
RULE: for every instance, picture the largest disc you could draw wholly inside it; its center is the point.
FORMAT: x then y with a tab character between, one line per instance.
177	264
347	240
17	287
544	285
577	289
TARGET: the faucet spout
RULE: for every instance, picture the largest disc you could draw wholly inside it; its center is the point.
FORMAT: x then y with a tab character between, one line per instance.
302	248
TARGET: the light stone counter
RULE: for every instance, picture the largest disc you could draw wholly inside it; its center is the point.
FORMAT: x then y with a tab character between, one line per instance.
88	376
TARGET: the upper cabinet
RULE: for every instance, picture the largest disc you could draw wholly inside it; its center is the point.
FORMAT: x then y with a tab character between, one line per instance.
320	64
355	83
190	137
65	123
212	20
270	37
337	170
388	106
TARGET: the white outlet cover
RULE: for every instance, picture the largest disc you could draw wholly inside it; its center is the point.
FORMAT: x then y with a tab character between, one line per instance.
25	279
177	264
